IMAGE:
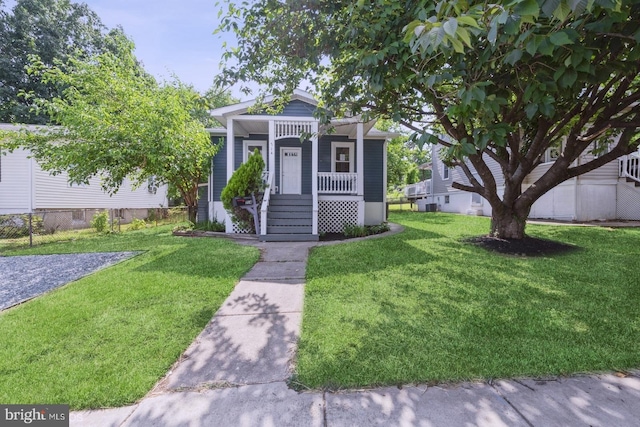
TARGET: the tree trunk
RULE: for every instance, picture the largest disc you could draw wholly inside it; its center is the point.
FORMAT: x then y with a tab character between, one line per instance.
508	224
192	212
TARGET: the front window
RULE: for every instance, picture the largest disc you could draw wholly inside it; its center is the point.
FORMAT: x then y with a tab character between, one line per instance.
342	157
250	146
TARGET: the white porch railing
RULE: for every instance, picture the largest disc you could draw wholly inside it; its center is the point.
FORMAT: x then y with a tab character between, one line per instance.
630	167
419	189
337	183
265	203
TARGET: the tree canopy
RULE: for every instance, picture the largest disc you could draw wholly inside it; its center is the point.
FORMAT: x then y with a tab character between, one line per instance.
117	122
52	30
491	82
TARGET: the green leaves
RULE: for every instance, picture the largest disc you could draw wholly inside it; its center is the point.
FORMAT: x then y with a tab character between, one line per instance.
527	8
118	123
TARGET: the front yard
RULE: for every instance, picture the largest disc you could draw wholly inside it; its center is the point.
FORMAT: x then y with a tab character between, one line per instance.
106	339
423	306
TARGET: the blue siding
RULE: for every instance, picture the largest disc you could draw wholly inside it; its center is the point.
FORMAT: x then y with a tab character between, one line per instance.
203	204
306	161
295	108
219	165
373	172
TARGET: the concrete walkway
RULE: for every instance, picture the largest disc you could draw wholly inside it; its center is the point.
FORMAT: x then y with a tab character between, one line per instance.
235	372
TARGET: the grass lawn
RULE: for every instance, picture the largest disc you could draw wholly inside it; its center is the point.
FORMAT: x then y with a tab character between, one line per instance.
106	339
422	306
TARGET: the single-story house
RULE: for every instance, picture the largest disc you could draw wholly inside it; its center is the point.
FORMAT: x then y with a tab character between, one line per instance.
26	188
611	192
335	177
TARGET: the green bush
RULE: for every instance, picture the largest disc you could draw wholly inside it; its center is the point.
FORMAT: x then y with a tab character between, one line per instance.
137	224
100	222
210	226
12	226
245	181
352	230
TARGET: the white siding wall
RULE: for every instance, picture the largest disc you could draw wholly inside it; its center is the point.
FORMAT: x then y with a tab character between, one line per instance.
15	182
54	192
374	213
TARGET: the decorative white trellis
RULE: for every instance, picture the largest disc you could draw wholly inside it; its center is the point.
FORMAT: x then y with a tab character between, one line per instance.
291	129
334	214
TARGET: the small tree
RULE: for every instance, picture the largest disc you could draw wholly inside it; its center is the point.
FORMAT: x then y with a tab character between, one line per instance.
117	122
245	181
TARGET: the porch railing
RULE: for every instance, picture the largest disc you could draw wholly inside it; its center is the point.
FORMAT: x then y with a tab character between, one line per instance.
630	167
337	183
265	203
419	189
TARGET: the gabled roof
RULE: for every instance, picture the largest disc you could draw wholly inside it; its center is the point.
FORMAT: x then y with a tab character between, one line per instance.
347	125
221	114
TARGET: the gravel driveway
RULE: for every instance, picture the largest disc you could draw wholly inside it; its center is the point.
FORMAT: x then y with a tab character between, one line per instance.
25	277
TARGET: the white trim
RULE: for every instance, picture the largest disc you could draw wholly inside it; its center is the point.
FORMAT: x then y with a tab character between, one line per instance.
342	144
384	180
245	148
314	176
299	151
360	158
230	160
272	149
339	198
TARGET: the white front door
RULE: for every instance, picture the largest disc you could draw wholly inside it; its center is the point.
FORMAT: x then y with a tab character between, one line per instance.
290	170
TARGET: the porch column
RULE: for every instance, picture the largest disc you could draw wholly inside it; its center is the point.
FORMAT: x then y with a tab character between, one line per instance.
360	157
230	162
314	174
272	150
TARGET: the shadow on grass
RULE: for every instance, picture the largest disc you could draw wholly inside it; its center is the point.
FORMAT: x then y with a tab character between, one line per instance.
424	306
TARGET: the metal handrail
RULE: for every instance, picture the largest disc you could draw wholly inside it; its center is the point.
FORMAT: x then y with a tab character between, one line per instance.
265	204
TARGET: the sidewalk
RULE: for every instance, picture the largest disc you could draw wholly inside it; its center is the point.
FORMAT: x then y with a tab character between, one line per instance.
235	372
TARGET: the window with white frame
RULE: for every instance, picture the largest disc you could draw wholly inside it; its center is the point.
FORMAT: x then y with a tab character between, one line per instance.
342	157
476	199
445	171
250	146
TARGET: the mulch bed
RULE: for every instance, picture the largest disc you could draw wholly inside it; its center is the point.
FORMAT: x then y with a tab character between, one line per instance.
529	246
330	237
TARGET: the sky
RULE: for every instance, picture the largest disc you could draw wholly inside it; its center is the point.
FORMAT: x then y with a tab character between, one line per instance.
171	36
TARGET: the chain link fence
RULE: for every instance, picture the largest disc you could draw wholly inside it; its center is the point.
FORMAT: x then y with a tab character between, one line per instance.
45	226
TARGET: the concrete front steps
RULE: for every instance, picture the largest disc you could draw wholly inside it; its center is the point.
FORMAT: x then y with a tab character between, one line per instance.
290	219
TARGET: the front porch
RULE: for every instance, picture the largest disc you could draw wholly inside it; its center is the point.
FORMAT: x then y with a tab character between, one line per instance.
321	171
322	176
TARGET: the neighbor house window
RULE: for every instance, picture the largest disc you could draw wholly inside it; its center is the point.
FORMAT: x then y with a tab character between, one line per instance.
446	199
342	157
476	199
250	146
445	171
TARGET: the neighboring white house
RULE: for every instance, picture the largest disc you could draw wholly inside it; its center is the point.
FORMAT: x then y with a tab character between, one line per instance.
26	188
607	193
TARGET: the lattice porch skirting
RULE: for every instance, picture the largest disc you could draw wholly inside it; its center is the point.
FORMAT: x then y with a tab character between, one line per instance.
334	214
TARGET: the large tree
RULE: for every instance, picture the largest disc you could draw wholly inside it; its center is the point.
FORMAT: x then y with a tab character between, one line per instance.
52	30
501	81
117	122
